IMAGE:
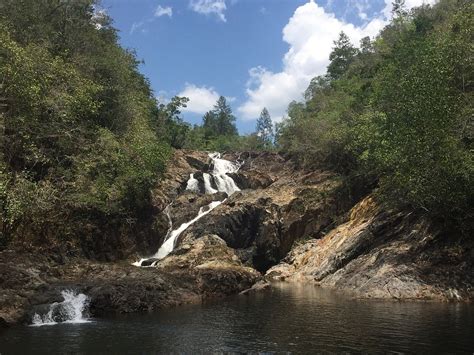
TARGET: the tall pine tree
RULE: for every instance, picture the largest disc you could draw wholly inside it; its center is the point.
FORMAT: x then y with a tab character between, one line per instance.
220	121
264	129
341	57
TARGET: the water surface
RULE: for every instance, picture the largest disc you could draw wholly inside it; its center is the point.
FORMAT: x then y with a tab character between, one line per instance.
288	318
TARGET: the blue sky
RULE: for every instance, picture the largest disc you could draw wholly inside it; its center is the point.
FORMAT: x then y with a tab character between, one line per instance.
257	53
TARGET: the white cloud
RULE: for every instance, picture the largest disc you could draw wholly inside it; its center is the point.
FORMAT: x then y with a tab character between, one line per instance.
98	16
163	97
209	7
310	33
201	98
136	26
361	6
142	25
163	11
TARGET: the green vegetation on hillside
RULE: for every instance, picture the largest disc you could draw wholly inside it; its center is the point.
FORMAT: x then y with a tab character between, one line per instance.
82	136
398	111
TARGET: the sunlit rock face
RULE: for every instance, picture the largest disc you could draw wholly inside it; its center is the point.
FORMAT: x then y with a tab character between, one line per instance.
384	253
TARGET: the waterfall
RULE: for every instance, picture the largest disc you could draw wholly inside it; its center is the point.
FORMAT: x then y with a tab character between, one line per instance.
71	310
223	182
170	241
207	184
223	167
169	244
193	184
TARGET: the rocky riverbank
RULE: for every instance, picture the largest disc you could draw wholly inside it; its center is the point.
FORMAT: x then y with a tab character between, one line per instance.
285	223
205	269
383	253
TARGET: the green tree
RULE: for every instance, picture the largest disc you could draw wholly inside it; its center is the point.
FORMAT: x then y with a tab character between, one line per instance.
225	120
220	121
398	112
399	9
169	123
423	155
342	55
264	129
209	124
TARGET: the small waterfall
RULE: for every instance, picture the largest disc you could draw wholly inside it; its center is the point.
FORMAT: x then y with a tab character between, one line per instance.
71	310
193	184
223	182
223	167
169	244
207	184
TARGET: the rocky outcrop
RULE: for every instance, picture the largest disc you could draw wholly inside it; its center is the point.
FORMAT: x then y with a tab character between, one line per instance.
383	253
206	268
262	224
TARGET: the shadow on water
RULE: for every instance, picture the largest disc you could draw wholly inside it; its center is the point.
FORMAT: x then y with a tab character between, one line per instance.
288	318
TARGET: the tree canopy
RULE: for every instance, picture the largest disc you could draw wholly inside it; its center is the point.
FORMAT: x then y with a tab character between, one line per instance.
82	134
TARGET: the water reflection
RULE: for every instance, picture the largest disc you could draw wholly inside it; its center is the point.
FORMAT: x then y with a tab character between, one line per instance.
289	318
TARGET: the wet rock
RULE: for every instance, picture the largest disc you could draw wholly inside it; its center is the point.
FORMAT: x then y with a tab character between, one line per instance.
257	287
149	262
205	268
263	224
185	207
197	162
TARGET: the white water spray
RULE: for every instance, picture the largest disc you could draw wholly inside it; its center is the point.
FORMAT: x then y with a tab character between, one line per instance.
169	244
71	310
207	184
193	184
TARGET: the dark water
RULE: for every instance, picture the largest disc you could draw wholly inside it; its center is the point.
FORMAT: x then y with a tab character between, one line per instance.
289	318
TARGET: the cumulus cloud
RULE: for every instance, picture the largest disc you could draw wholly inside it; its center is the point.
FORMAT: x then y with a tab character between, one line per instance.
201	98
142	25
309	33
163	11
209	7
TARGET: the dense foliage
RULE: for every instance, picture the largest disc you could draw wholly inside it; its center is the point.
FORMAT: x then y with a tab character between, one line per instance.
397	111
81	134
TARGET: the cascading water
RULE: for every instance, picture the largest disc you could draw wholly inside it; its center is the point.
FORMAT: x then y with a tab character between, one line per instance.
193	184
71	310
207	184
169	244
223	167
223	182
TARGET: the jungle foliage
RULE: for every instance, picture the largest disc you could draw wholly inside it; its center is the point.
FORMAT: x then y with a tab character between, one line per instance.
81	133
